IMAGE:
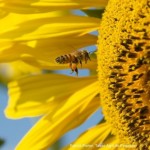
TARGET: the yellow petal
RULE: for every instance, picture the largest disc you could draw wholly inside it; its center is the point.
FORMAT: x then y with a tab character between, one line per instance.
70	4
13	70
91	138
46	26
5	45
52	126
31	6
44	52
13	21
38	94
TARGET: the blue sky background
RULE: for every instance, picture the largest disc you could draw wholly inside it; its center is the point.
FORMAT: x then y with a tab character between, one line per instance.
11	130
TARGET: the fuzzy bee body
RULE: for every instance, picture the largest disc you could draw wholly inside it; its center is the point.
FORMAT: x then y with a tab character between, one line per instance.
74	59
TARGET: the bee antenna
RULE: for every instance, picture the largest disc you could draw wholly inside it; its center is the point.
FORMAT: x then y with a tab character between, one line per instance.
92	51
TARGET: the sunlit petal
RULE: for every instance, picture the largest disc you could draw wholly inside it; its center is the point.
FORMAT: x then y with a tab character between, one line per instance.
75	111
32	6
46	26
13	21
92	137
38	94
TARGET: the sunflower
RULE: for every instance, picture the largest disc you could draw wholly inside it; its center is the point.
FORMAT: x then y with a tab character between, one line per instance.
37	32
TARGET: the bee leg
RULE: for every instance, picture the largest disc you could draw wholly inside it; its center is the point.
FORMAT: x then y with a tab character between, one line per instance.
74	68
86	60
80	61
71	71
87	57
70	65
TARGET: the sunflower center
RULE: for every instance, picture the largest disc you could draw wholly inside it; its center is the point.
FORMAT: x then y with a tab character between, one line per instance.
124	70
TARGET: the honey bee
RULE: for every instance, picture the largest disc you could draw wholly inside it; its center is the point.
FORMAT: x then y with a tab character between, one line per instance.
74	59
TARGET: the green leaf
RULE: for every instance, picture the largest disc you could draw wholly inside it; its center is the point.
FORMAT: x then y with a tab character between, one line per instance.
97	13
1	142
